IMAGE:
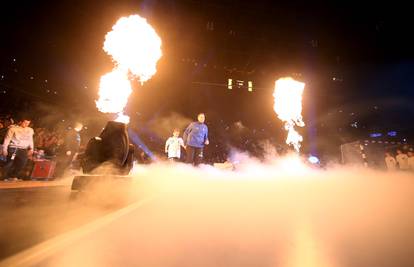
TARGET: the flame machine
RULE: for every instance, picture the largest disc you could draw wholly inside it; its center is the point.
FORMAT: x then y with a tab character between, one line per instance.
108	156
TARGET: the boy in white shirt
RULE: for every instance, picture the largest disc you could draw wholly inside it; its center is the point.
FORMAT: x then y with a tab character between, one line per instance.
173	146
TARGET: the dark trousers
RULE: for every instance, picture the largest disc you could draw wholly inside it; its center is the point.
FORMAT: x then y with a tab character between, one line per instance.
194	155
14	166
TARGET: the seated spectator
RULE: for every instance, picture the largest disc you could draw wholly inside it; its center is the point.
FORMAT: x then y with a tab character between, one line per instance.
402	160
411	160
390	162
51	143
39	138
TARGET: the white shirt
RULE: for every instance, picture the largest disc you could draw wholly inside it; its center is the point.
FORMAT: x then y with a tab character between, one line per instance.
391	163
19	137
402	160
173	146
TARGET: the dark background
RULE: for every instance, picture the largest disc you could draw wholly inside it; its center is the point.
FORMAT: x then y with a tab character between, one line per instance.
356	61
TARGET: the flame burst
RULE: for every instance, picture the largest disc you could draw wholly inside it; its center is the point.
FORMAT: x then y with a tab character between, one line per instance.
135	48
288	107
111	100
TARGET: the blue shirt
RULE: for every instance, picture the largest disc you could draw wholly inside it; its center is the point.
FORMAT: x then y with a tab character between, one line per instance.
196	134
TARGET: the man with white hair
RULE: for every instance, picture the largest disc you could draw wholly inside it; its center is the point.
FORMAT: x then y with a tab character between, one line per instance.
195	138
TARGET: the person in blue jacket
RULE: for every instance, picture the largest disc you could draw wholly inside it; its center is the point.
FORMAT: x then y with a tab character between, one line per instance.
195	138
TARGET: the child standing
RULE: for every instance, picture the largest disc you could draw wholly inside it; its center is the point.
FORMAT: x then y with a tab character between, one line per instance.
173	146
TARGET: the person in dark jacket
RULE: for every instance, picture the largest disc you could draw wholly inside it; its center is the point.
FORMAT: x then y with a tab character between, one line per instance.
195	138
70	149
72	140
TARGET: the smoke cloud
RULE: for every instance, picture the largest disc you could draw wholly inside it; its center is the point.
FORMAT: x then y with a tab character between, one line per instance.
277	212
164	126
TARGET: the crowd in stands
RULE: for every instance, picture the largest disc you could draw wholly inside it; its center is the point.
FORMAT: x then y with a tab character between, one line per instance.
49	144
401	159
46	140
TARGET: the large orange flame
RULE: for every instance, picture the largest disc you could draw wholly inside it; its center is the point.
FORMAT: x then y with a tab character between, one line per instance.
135	48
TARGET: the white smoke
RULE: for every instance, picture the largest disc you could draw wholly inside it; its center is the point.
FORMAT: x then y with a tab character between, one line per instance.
278	212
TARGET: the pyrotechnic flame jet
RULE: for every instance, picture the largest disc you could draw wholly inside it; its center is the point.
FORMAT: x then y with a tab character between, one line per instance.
114	91
288	107
135	49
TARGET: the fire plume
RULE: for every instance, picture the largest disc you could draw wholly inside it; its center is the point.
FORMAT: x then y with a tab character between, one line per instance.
135	49
288	107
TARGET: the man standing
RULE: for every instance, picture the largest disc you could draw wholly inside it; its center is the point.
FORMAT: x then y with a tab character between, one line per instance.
17	146
72	144
195	138
72	141
70	149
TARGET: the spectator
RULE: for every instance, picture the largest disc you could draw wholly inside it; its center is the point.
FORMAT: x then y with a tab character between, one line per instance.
4	125
173	146
390	162
72	140
39	138
47	141
71	145
402	160
3	132
411	160
50	144
195	138
17	146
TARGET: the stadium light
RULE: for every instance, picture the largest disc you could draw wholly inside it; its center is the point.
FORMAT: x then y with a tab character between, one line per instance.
230	84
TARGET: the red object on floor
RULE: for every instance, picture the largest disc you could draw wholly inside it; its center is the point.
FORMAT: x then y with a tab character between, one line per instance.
43	169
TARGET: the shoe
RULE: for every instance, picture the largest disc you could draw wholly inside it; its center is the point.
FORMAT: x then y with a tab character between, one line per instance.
6	180
14	179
